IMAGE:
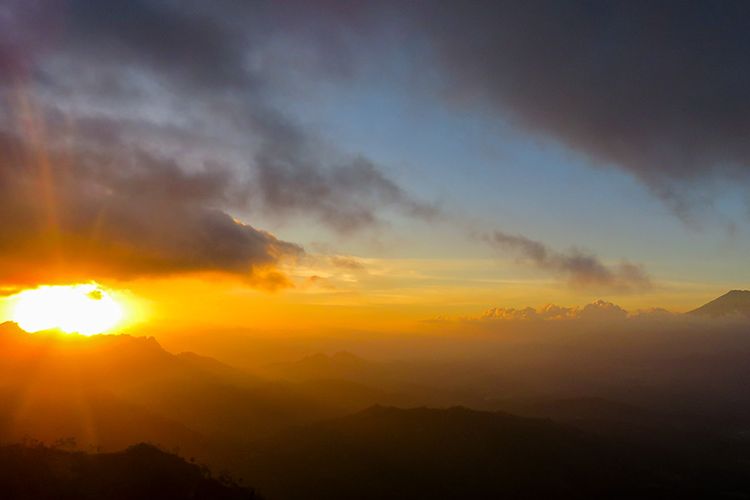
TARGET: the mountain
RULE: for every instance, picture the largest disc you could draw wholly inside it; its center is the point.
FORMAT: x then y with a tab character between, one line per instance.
395	383
142	471
340	365
733	303
110	391
457	453
628	423
580	410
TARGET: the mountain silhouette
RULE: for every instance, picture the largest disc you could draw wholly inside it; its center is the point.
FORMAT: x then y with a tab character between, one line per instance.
386	452
313	432
732	303
140	472
320	366
114	390
110	391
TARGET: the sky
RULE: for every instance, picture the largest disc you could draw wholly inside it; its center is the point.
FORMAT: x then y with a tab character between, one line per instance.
288	165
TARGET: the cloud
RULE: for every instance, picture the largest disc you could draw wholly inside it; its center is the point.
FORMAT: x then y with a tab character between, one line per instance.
656	88
597	311
92	218
602	311
343	196
347	262
578	268
548	312
133	130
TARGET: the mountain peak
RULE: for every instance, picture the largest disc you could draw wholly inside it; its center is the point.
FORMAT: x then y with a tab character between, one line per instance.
734	302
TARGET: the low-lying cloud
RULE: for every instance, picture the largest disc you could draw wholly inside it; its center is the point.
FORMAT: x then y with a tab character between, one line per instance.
599	310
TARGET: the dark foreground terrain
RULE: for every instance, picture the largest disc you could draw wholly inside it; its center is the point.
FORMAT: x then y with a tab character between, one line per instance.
459	453
138	473
420	453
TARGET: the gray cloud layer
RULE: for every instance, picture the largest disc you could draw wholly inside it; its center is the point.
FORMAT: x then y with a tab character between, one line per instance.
657	88
131	129
82	217
580	269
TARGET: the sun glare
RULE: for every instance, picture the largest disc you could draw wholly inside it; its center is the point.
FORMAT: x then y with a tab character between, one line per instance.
85	309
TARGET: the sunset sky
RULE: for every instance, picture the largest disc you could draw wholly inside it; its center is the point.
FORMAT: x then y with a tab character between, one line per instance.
325	165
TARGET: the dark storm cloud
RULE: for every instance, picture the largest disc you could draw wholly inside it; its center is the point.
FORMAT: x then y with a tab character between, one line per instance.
579	268
659	89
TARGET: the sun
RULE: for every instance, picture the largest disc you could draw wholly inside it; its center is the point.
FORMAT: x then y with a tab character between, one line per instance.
86	309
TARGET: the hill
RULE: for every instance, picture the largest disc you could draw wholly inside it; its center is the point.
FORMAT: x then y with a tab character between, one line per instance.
142	471
110	391
732	303
113	390
460	453
308	436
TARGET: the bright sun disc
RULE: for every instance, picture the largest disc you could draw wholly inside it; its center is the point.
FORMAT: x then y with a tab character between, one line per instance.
84	309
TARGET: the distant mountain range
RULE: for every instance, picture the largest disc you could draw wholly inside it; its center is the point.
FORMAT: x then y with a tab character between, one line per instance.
733	303
114	390
340	426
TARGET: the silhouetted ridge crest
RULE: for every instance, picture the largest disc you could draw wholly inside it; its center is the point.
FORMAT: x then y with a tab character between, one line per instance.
444	453
734	302
140	472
